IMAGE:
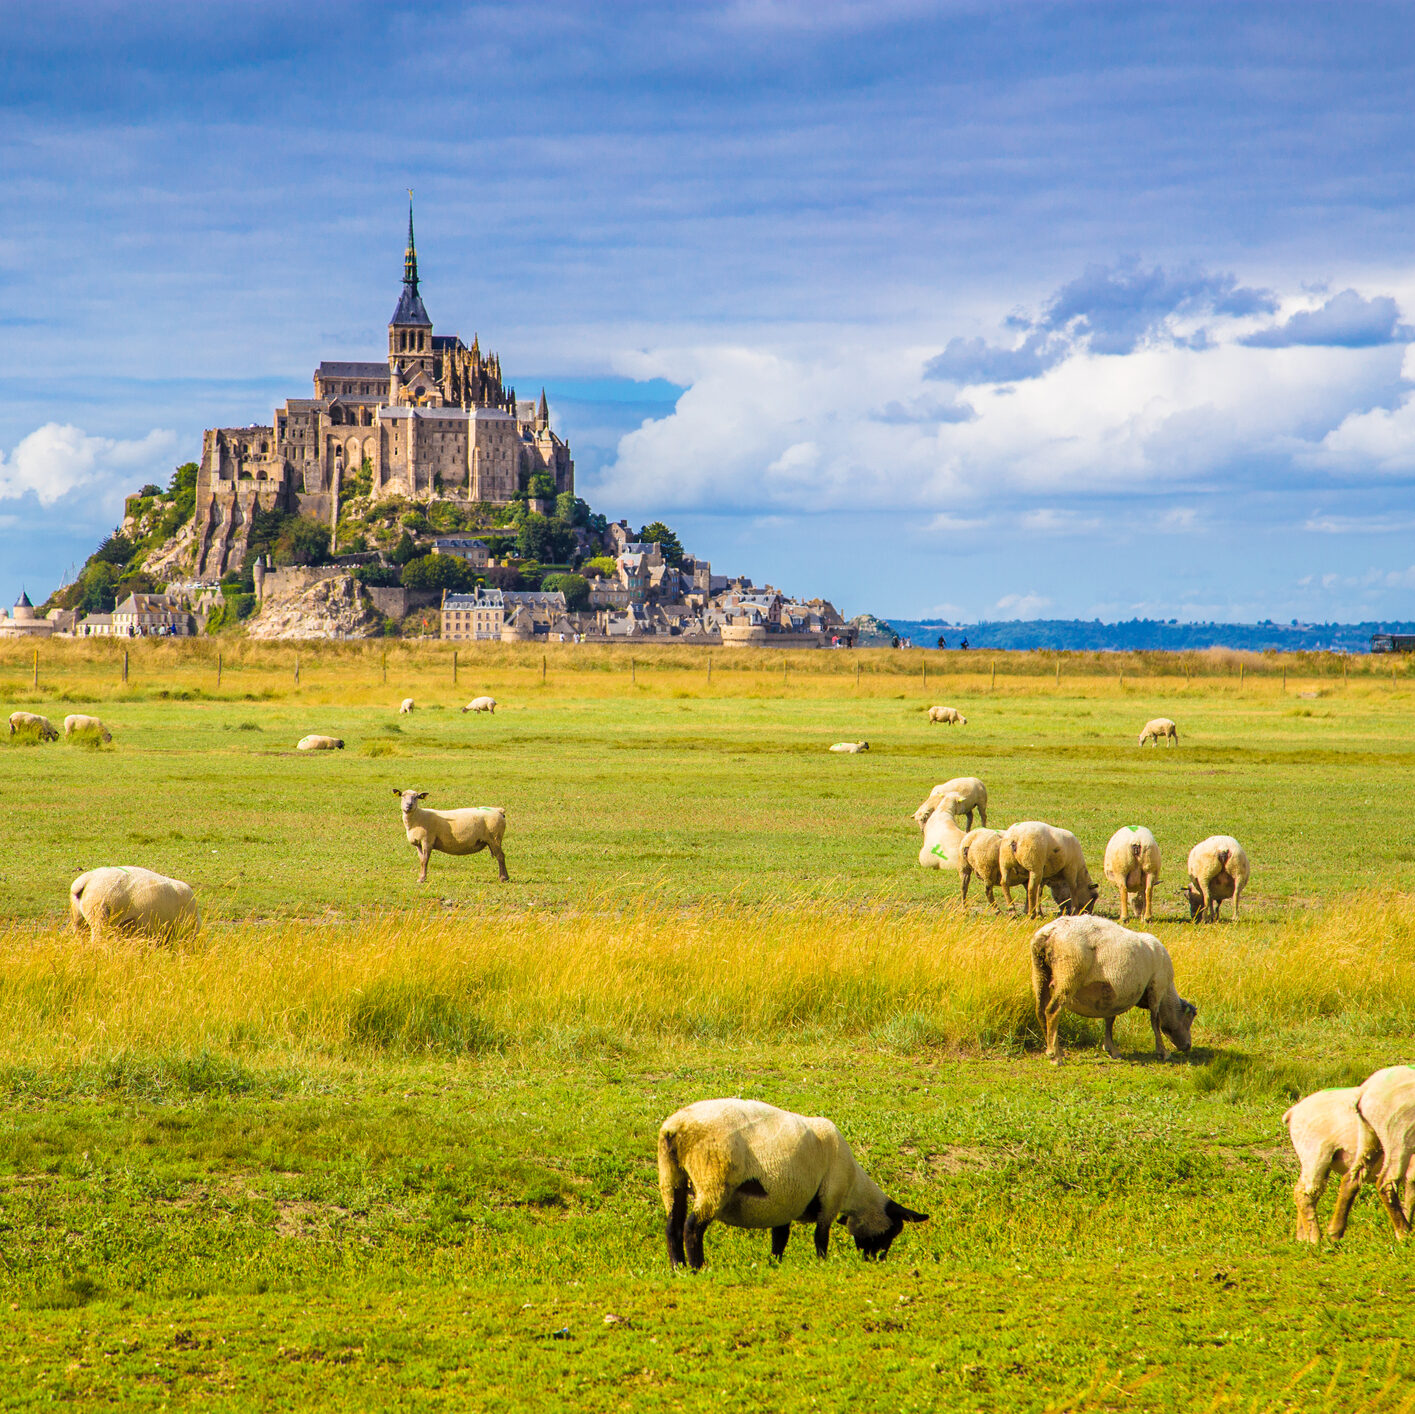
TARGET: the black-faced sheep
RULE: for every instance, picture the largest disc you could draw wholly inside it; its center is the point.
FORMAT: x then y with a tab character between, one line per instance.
1132	864
128	899
1218	869
751	1165
1157	728
466	831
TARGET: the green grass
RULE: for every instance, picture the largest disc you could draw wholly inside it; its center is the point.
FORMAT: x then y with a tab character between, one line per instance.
358	1148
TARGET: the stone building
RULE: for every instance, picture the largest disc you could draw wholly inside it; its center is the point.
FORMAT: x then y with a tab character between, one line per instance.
23	622
434	420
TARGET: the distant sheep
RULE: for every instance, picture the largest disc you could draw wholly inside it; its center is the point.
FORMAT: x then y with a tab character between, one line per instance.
320	743
76	722
131	900
32	721
1052	858
1325	1130
850	748
1094	967
407	706
1157	728
942	837
972	795
751	1165
951	715
1218	870
1386	1106
452	831
1132	864
980	852
481	704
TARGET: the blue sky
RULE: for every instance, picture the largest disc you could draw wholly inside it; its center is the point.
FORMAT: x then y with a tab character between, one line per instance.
981	310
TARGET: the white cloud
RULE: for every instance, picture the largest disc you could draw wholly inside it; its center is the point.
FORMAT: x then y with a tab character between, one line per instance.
57	460
1379	440
1022	606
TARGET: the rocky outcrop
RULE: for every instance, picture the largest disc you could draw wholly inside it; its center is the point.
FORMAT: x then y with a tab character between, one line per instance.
174	557
334	608
871	632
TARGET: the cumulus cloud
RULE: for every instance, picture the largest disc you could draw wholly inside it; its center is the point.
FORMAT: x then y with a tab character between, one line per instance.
56	461
1022	606
1345	321
1376	440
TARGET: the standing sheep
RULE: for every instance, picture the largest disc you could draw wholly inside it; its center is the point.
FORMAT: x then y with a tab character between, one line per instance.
1094	967
1132	864
950	715
1159	727
1218	869
314	742
751	1165
972	795
76	722
1326	1132
850	748
406	708
131	900
32	721
481	704
452	831
1386	1105
1052	857
980	852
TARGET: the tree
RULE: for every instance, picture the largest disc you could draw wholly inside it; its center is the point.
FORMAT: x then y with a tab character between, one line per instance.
542	486
669	546
302	541
438	572
404	550
116	549
575	588
536	538
570	508
605	565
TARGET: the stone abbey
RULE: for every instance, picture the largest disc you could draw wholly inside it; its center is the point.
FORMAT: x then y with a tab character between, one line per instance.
435	420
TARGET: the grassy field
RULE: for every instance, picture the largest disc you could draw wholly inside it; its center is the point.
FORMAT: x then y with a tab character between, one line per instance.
367	1144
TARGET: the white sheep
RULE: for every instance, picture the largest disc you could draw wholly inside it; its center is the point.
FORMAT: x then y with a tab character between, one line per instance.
76	722
1385	1103
1094	967
942	837
1218	869
972	795
951	715
133	900
751	1165
407	706
1325	1130
481	704
850	748
980	852
1159	727
1052	858
1132	864
466	831
314	742
32	721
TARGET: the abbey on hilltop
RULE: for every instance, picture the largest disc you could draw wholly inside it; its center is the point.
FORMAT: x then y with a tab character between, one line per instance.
435	420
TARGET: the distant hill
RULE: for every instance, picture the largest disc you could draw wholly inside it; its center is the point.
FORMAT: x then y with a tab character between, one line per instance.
1148	635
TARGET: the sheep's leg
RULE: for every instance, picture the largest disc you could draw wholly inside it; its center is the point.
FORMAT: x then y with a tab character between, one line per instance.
822	1239
780	1236
1124	903
500	859
1307	1229
1159	1035
693	1230
674	1230
1149	897
983	816
1034	895
1007	894
1391	1203
424	854
1109	1042
1207	912
1345	1197
970	817
1051	1024
1237	889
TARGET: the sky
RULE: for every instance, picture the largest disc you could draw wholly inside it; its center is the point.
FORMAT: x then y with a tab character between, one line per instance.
959	309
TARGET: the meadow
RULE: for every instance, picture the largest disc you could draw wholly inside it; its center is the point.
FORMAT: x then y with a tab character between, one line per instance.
364	1142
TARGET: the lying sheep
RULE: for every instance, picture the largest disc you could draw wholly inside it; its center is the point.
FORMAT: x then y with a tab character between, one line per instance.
972	795
1218	869
320	743
1052	857
128	899
406	707
452	831
747	1164
942	837
32	721
1159	727
76	722
850	748
1094	967
1325	1130
951	715
481	704
1386	1106
980	852
1132	864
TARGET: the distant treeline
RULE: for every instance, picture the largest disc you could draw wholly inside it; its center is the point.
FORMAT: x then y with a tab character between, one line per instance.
1154	635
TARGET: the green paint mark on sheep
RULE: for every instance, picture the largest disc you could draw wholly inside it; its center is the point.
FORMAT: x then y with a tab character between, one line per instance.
939	850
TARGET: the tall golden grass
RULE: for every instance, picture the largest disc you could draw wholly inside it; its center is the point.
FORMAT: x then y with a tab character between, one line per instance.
454	983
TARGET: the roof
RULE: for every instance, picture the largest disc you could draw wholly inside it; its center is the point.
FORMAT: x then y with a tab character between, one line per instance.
351	370
477	599
410	309
447	341
536	598
23	602
458	540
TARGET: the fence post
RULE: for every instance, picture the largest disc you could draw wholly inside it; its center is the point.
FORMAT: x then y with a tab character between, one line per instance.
1284	677
454	667
125	666
1242	670
709	668
385	667
542	667
783	670
218	670
1058	672
297	670
857	673
993	684
36	667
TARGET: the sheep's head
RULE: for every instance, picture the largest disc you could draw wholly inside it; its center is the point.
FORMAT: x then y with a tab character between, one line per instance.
921	815
409	798
873	1231
1178	1023
1195	898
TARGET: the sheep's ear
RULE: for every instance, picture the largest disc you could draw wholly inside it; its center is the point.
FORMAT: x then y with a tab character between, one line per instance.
422	795
396	791
1189	1010
897	1212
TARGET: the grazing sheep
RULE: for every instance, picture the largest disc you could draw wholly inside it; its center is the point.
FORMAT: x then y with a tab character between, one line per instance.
320	743
980	852
452	831
481	704
22	721
1132	864
1052	857
850	748
1325	1130
972	795
752	1165
76	722
942	837
407	707
1159	727
1094	967
1386	1105
951	715
1218	869
131	900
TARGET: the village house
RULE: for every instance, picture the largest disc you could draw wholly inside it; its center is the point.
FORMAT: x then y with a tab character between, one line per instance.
150	616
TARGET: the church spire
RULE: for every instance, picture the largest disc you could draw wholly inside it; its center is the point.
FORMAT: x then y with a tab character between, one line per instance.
410	256
542	411
410	312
